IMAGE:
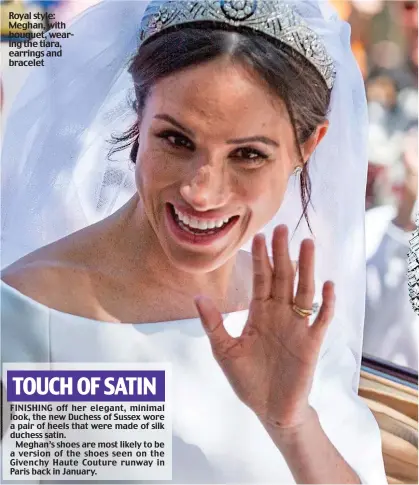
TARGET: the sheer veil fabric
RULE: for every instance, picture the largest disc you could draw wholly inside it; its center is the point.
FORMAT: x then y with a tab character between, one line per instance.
56	177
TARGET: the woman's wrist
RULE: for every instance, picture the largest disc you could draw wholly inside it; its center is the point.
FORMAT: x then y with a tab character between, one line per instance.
310	455
285	436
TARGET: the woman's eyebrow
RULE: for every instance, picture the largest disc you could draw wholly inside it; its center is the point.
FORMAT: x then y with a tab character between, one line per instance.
174	122
262	139
171	120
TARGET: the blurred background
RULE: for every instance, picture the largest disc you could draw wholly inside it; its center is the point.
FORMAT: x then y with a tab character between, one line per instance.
385	43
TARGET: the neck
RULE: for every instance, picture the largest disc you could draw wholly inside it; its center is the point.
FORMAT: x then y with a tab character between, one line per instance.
141	246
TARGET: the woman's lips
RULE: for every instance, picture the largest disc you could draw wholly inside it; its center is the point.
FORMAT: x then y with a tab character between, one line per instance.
199	237
211	215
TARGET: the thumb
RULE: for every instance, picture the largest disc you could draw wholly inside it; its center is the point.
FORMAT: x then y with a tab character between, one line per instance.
213	324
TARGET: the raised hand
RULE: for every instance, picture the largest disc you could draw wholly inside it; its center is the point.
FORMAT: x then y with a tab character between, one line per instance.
271	365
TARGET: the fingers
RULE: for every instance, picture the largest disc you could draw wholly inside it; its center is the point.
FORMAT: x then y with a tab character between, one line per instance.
212	321
262	269
283	277
306	287
327	309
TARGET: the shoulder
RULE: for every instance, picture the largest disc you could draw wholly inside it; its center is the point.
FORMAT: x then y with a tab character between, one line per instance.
51	272
41	280
31	290
32	278
48	279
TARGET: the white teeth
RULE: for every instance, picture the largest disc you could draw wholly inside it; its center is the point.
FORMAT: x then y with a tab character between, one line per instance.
202	224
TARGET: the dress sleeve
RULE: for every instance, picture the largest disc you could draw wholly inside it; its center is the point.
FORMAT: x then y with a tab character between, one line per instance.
24	338
24	328
344	417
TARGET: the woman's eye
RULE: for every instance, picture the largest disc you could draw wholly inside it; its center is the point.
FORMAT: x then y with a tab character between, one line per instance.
176	140
250	154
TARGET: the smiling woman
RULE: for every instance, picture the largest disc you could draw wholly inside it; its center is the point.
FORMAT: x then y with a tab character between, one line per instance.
295	112
212	165
244	112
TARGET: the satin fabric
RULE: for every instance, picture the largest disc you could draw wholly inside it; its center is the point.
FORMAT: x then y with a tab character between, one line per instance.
216	438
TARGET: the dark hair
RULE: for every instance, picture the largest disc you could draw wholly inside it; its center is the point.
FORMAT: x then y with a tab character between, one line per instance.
287	74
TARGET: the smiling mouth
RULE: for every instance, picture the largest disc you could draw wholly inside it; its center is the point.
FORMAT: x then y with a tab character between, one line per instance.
188	224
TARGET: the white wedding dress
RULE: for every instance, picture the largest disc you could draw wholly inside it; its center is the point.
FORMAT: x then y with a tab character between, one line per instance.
216	438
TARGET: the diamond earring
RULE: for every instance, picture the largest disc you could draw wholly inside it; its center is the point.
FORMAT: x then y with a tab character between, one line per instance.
298	170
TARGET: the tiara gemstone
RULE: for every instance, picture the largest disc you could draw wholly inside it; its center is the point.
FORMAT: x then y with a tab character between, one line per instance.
238	9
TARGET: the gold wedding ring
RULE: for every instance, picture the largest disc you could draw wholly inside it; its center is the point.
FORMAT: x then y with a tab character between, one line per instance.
303	312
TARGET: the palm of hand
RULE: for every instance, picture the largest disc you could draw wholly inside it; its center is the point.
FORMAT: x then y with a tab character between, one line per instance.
271	365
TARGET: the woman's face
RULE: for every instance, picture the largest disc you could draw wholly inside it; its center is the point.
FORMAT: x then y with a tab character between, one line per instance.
215	154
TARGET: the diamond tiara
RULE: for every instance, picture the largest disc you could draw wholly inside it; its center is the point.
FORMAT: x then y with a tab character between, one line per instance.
273	18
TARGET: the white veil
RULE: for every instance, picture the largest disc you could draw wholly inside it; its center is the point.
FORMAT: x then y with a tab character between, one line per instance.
56	177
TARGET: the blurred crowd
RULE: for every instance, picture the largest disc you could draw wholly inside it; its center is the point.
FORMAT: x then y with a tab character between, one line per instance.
385	43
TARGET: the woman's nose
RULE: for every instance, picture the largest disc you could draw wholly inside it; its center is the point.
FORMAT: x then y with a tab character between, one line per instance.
208	188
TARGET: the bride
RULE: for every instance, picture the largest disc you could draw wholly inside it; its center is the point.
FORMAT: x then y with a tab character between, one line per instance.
249	126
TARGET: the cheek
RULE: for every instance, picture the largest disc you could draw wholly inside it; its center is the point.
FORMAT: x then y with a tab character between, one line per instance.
154	168
264	193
